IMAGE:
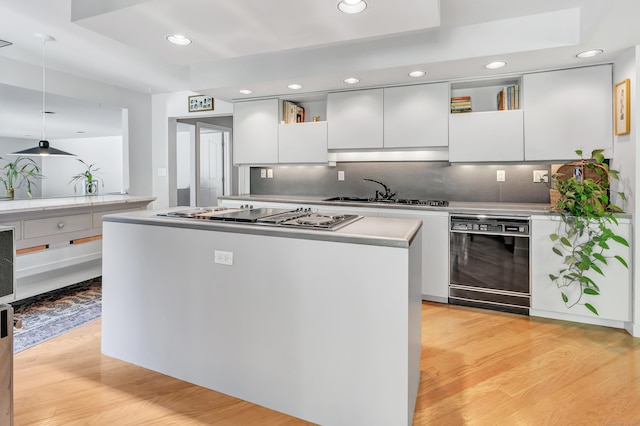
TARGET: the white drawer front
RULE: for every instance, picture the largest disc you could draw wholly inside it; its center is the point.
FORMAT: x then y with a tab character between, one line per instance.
97	217
56	225
17	228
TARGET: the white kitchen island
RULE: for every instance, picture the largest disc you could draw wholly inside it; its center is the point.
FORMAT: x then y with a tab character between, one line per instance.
321	325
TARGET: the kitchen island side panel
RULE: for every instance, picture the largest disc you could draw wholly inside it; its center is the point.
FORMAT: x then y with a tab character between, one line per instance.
325	331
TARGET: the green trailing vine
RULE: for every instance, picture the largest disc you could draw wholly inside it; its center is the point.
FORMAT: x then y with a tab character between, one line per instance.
585	232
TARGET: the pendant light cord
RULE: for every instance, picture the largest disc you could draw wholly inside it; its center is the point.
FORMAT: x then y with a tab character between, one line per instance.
44	87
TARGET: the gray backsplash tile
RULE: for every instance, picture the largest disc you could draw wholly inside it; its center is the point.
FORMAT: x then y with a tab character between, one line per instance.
421	180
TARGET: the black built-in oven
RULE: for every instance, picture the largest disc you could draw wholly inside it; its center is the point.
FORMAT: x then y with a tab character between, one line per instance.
489	262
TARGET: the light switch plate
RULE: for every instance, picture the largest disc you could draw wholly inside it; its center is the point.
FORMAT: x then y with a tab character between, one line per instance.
500	176
340	175
270	173
263	173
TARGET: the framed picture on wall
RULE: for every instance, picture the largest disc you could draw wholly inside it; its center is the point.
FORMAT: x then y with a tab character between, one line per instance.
200	103
621	108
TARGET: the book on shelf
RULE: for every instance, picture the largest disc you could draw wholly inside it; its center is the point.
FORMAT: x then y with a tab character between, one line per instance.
292	113
508	98
460	104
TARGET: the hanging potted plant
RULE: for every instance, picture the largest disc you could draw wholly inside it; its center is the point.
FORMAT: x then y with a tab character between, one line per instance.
87	178
586	228
23	171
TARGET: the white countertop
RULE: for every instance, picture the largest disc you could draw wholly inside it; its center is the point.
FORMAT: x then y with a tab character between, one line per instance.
454	206
392	232
38	204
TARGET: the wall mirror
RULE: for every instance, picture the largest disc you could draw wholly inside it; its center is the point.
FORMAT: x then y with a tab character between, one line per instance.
91	131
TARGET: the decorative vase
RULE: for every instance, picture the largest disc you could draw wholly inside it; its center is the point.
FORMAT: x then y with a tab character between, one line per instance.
91	188
10	193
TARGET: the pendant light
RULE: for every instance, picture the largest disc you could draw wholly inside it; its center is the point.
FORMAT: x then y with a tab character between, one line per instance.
43	147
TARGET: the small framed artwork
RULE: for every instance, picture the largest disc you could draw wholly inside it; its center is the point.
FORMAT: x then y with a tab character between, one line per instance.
621	108
200	103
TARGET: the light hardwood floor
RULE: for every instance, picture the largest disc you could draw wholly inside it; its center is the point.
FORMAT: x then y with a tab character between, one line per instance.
478	368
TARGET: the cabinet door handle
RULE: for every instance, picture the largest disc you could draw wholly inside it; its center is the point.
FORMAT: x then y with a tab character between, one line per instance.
61	225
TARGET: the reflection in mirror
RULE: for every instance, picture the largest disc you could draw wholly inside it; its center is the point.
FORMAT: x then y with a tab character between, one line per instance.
91	131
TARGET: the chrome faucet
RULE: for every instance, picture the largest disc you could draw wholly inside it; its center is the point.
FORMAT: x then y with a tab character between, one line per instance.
388	195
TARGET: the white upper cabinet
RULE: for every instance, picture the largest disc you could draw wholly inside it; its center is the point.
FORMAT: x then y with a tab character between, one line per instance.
303	143
567	110
486	132
255	132
259	139
355	119
486	136
416	116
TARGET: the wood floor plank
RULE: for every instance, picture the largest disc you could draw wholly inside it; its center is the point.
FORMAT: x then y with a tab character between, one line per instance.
478	368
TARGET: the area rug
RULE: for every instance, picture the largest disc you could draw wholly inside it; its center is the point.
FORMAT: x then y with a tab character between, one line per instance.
51	314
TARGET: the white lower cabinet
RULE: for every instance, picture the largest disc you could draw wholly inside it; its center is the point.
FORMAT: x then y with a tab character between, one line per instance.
59	247
435	251
614	301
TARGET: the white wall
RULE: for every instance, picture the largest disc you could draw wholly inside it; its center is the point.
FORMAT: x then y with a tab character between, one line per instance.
183	159
105	153
166	108
626	159
624	146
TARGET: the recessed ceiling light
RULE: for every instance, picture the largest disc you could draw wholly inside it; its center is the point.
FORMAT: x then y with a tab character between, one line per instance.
351	80
416	74
246	91
352	6
178	39
494	65
589	53
294	86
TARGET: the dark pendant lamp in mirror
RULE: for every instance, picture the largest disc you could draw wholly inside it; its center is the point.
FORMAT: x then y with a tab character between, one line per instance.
43	147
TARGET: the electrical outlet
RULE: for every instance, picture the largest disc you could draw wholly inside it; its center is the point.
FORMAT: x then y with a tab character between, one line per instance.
270	173
263	173
500	176
540	176
340	174
223	257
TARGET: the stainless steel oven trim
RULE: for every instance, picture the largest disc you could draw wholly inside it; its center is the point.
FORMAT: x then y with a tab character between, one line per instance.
483	290
500	234
488	302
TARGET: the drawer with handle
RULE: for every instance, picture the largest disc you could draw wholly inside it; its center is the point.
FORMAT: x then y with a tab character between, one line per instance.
56	225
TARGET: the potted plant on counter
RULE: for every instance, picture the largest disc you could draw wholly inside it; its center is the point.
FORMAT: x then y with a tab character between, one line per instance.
90	183
23	171
586	228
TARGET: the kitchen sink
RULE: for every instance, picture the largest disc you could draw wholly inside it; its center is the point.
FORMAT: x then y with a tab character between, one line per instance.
352	199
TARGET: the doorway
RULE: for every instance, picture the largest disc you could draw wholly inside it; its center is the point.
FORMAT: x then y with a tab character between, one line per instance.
203	163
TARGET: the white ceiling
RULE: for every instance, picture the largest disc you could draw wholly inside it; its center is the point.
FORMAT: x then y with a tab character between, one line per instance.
263	45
